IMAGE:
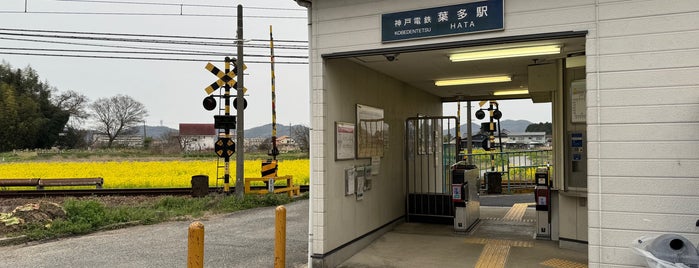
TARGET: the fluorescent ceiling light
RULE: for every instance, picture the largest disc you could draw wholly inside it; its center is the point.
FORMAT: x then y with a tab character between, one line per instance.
511	92
473	80
506	53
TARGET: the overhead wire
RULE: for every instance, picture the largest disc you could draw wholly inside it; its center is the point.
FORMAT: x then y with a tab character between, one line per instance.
41	36
146	14
145	52
136	58
103	45
174	4
142	35
140	40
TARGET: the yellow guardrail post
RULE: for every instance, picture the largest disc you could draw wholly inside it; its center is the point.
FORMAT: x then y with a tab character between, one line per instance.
195	245
280	237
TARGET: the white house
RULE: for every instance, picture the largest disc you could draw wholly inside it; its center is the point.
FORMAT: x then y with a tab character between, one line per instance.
197	137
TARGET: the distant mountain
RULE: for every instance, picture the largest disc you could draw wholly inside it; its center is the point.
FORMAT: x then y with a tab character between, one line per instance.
155	132
265	131
516	126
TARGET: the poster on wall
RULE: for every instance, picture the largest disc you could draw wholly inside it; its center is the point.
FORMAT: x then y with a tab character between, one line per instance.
578	105
349	181
360	179
344	141
370	131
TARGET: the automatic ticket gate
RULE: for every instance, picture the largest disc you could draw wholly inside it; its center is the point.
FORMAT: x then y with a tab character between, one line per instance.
465	195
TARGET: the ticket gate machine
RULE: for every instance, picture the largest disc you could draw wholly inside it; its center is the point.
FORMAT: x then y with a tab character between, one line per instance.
542	195
465	195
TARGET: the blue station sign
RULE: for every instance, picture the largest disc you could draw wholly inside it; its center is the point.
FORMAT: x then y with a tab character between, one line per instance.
466	18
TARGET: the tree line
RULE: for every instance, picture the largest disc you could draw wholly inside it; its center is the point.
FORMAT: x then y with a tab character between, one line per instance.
35	115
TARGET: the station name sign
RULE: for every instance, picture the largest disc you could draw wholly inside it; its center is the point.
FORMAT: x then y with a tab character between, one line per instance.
482	16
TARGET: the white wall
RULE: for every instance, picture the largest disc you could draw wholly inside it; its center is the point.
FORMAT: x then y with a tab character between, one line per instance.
642	115
643	120
338	219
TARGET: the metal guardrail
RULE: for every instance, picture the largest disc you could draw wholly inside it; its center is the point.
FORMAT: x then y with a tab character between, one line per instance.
290	188
518	168
41	183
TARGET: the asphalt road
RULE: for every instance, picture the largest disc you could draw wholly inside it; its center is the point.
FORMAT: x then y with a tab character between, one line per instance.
240	239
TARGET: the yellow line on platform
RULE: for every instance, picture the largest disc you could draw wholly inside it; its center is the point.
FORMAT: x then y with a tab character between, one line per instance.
495	252
559	263
517	211
493	256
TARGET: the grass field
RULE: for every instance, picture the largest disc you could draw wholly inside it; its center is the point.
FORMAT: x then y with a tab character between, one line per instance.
147	174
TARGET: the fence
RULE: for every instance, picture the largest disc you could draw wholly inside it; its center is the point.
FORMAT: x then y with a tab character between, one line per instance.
518	168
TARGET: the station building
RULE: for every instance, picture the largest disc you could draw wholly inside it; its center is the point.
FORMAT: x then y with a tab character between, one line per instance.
622	82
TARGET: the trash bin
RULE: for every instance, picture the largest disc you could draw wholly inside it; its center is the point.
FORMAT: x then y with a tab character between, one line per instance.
200	185
494	180
667	250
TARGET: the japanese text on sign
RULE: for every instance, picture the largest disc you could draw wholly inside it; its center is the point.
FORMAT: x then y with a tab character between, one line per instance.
457	19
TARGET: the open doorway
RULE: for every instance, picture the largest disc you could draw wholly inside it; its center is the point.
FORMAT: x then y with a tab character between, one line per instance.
541	80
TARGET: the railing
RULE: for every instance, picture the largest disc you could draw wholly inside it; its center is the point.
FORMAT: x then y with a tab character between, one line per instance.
291	189
41	183
518	168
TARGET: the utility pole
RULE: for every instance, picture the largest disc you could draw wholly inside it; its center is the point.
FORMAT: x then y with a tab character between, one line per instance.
240	158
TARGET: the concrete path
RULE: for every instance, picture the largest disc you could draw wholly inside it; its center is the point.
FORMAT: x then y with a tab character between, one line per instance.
240	239
504	237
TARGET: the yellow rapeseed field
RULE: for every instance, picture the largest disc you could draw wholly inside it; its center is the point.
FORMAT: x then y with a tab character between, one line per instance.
148	174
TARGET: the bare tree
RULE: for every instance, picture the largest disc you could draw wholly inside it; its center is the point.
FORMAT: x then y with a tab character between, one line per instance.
301	134
75	104
116	115
185	142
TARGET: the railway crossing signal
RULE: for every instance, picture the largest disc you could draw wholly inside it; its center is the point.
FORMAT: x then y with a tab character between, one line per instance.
224	147
223	78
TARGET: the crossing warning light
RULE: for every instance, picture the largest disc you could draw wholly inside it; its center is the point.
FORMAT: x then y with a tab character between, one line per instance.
235	103
209	103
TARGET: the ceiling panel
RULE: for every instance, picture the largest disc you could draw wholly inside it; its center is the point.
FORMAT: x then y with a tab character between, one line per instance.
421	69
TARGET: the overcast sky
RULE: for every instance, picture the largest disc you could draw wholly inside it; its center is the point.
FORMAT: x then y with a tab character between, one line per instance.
173	91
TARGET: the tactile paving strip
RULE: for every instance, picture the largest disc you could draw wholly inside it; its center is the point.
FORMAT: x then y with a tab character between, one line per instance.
560	263
517	211
496	251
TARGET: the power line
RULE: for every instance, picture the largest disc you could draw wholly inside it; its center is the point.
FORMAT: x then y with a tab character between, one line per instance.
100	45
136	58
157	41
179	5
146	14
147	52
141	35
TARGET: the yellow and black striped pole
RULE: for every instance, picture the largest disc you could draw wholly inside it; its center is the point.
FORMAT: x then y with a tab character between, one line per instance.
491	138
275	150
269	167
227	102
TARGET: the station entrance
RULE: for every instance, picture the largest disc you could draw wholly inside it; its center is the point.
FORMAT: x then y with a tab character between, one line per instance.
420	147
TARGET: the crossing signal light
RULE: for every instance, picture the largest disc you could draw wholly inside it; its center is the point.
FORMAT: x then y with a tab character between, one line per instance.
480	114
497	114
209	103
235	103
